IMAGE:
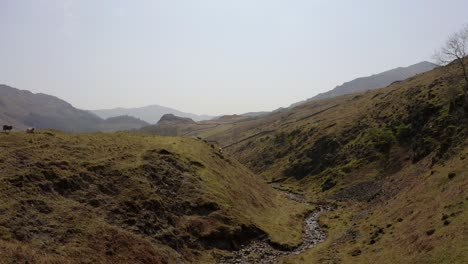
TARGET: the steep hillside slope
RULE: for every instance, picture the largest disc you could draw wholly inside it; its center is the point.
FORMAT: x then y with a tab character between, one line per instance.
393	159
23	109
151	114
406	106
128	198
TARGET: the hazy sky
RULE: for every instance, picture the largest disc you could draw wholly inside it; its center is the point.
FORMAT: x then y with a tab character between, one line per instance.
212	56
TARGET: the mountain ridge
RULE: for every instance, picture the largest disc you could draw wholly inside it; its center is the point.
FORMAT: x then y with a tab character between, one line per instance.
378	80
374	81
23	108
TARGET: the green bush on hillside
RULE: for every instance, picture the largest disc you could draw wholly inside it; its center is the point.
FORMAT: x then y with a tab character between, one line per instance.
381	138
280	138
403	133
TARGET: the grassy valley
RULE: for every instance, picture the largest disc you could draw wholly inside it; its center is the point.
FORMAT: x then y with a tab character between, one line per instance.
393	160
303	136
389	164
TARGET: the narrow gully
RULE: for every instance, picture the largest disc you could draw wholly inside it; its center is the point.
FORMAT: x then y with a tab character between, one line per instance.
263	252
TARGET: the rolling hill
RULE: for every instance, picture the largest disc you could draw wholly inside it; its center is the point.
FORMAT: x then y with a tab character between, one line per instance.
131	198
23	109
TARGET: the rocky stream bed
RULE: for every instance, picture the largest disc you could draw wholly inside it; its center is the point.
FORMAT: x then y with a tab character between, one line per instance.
264	252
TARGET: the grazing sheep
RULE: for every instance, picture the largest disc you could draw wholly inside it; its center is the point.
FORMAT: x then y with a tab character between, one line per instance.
7	128
30	130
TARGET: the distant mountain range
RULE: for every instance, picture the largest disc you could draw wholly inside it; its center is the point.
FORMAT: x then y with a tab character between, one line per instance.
375	81
22	109
176	126
150	114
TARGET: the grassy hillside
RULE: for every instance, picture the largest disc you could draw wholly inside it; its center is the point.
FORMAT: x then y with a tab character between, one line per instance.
414	116
123	197
393	159
419	215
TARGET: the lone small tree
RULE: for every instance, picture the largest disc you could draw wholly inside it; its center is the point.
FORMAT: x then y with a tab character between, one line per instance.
456	50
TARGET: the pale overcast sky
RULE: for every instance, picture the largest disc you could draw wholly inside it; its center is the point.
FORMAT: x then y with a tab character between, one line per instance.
212	56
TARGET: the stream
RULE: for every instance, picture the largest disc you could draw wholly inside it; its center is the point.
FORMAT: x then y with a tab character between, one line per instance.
263	252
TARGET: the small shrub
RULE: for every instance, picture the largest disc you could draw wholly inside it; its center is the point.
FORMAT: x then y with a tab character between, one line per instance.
421	147
381	138
328	184
430	232
403	133
451	130
294	133
355	252
280	138
452	175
